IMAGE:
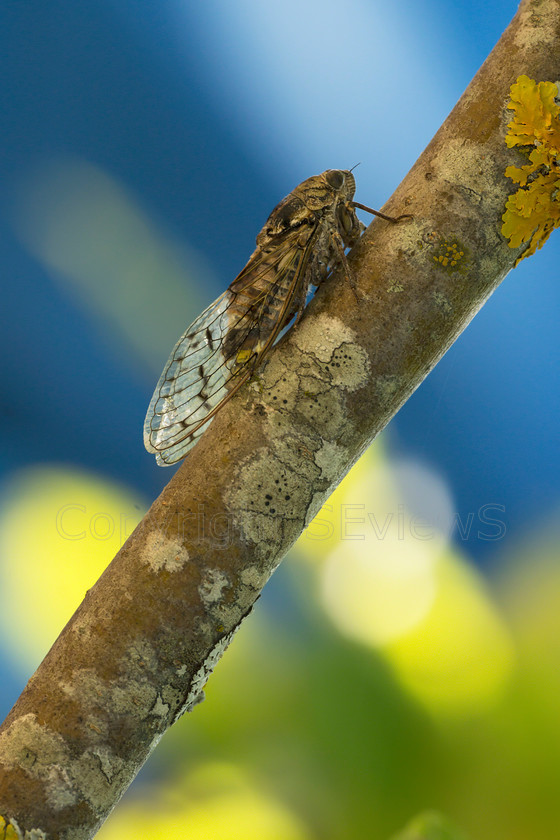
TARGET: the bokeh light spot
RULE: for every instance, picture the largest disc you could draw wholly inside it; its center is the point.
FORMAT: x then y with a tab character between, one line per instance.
376	590
59	529
103	249
459	659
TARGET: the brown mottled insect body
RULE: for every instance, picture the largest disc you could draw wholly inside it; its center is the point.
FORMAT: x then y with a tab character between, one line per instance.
303	239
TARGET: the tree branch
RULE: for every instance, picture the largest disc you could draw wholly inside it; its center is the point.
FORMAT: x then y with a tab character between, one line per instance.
137	652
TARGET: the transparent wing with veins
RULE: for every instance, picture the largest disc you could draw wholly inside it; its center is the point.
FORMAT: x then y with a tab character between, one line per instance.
222	347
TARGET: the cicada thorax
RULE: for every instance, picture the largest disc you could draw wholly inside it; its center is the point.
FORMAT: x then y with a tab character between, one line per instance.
298	246
330	196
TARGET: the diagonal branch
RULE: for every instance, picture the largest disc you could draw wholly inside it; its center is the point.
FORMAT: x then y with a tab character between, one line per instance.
137	652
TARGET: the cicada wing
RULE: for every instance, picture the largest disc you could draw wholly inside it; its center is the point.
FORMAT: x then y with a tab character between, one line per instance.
221	349
191	386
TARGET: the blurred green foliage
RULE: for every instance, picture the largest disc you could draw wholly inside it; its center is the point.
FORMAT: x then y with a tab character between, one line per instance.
325	719
309	733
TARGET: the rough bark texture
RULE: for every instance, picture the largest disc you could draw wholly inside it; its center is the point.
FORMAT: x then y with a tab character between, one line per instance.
137	652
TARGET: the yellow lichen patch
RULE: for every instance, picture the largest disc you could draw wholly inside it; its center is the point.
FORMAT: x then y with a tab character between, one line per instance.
533	211
7	831
450	255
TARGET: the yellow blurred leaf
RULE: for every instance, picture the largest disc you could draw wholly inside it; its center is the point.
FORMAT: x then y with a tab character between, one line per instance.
217	800
458	661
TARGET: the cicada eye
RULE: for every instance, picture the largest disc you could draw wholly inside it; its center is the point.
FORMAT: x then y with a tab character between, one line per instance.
335	178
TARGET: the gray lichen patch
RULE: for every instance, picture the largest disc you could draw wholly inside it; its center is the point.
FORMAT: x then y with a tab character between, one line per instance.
90	776
280	384
477	190
44	755
109	764
347	367
322	404
246	594
161	552
36	834
29	745
387	387
229	610
95	773
321	336
325	412
276	496
140	656
331	459
200	678
442	302
171	695
312	383
133	695
292	445
315	391
303	393
211	590
253	577
226	615
82	625
160	709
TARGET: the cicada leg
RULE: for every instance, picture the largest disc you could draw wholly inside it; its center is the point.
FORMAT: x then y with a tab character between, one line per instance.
342	260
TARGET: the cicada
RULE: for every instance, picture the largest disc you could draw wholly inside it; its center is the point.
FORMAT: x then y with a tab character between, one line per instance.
304	238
